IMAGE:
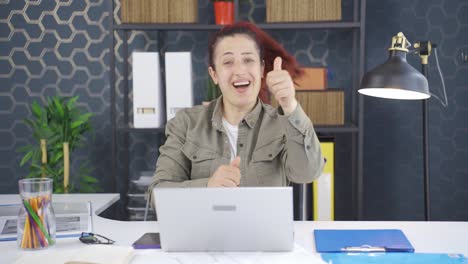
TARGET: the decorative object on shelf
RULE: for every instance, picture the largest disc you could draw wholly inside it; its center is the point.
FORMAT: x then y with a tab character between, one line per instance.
313	78
303	10
58	129
147	91
224	12
397	79
159	11
212	91
36	218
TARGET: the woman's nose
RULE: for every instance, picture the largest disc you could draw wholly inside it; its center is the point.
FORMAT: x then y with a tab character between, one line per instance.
239	68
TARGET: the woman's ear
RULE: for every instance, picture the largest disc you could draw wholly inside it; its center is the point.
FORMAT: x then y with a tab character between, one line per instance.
213	75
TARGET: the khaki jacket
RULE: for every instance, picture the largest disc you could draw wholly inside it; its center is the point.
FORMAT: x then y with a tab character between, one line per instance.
274	149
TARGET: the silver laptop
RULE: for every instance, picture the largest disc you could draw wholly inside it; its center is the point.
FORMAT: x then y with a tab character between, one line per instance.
225	219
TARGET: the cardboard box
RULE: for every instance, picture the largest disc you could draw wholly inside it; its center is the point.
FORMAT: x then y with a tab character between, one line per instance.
159	11
183	11
144	11
303	10
323	107
312	79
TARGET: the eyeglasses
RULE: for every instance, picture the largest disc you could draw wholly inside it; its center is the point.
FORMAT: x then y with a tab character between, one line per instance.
91	238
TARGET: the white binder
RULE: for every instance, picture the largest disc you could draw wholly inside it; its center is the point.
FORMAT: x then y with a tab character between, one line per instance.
179	91
147	94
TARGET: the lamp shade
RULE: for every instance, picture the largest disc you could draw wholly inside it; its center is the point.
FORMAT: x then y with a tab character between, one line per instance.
395	79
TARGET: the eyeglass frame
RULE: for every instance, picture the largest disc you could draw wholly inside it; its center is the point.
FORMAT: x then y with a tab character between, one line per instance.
96	239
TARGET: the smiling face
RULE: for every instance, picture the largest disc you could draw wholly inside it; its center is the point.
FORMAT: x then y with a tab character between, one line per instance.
238	71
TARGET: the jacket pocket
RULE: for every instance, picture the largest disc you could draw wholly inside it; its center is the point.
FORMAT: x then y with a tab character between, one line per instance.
201	160
267	162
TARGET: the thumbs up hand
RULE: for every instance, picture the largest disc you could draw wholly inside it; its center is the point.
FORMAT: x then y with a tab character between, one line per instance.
226	175
282	87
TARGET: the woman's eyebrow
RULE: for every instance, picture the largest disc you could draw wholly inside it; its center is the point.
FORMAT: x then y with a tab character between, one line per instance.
243	53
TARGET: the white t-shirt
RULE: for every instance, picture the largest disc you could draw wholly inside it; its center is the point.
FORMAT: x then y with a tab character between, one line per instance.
232	133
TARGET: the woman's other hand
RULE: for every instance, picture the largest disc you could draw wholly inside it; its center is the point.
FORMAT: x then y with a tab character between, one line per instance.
226	175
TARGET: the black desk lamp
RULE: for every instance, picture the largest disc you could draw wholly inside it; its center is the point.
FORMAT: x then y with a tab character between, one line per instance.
396	79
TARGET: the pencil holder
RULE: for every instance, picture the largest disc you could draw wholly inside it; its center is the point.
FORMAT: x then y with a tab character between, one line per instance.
36	218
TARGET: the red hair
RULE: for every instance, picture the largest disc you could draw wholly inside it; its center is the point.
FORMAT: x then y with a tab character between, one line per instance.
268	48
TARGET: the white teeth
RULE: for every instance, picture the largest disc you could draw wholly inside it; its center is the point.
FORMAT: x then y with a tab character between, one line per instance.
242	83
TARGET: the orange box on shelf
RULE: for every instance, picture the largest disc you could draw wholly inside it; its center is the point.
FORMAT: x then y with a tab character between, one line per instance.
314	78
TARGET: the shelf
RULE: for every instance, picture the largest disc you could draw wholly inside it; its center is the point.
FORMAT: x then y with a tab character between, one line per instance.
347	128
354	129
310	25
189	27
130	128
136	195
201	27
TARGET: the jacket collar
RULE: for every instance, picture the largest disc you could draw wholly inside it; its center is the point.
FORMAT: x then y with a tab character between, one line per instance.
250	119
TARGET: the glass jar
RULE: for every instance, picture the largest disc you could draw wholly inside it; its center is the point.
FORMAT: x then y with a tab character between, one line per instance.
36	218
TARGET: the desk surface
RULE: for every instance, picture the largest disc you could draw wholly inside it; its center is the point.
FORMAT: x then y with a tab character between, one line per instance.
427	237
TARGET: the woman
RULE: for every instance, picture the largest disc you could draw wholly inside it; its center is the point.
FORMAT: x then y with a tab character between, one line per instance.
237	140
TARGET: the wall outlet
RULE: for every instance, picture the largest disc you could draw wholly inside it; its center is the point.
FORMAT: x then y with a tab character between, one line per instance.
464	56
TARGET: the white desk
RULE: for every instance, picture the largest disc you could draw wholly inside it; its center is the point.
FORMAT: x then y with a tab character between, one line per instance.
427	237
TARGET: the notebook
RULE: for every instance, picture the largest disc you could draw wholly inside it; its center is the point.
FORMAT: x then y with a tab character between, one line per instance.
361	240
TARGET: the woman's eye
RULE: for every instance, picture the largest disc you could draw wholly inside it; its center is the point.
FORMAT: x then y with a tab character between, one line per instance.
248	60
227	63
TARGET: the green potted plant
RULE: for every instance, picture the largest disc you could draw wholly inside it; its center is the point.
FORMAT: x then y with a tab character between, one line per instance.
212	91
224	12
58	129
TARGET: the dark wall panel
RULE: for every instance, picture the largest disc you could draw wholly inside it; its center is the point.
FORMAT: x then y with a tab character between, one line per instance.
393	166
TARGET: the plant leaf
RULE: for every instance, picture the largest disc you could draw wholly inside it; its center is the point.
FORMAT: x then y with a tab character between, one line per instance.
26	157
72	101
36	109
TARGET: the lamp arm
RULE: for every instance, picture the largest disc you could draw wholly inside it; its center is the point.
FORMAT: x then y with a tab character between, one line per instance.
445	102
424	49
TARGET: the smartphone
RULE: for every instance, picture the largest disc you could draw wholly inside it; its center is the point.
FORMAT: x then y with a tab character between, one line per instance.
147	241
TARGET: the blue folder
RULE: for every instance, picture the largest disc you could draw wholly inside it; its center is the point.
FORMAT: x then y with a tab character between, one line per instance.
392	258
361	240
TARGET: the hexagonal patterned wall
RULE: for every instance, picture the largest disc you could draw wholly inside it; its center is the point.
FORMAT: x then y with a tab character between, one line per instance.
53	47
50	46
